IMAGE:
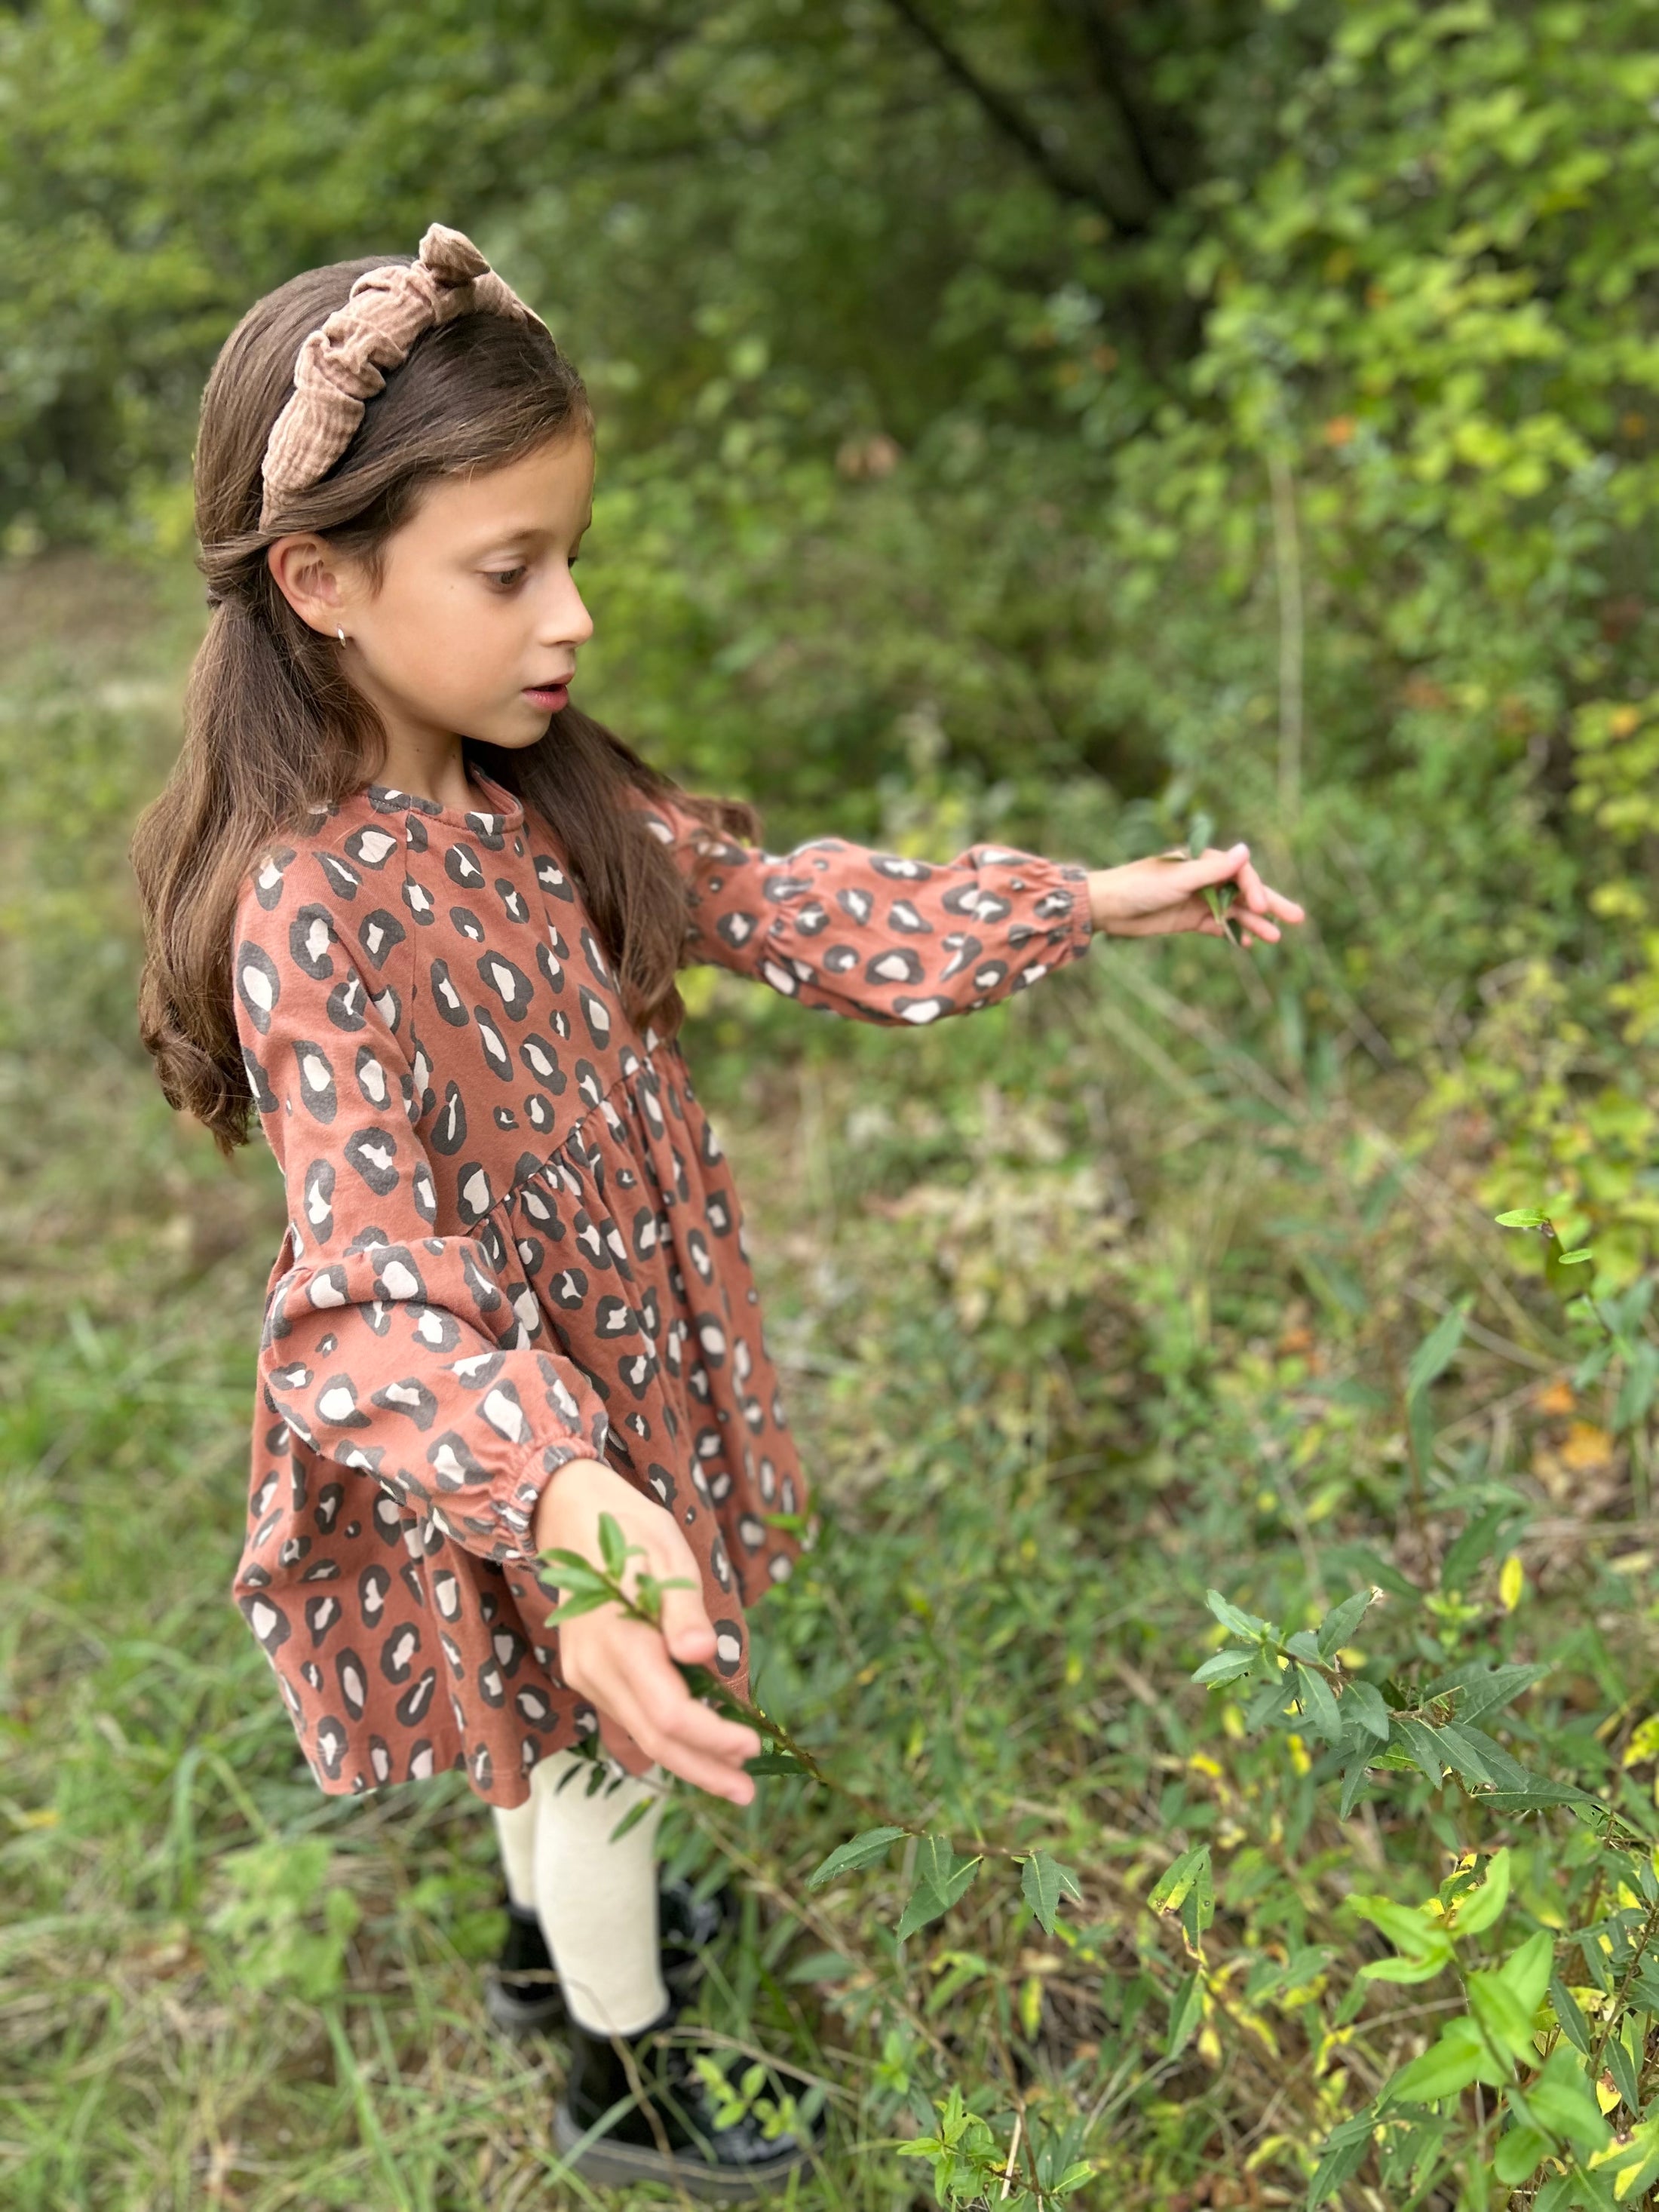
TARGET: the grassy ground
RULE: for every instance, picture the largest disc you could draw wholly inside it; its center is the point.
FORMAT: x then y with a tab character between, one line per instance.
1083	1309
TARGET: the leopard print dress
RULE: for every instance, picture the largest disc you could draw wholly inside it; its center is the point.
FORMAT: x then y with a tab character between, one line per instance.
513	1242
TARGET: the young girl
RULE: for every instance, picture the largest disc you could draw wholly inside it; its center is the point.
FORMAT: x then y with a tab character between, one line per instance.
415	909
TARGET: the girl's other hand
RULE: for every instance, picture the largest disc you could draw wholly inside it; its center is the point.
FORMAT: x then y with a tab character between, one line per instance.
1164	896
625	1668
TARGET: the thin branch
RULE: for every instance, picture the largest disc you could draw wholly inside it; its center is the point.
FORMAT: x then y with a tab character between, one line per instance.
1015	126
1112	75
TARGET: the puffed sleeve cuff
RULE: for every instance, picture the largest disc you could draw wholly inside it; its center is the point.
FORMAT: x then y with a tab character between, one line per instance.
372	1371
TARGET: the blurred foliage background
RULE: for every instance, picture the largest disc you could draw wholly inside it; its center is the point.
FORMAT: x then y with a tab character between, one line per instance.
1041	419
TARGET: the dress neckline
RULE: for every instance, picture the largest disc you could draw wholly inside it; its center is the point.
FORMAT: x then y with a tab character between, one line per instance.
504	812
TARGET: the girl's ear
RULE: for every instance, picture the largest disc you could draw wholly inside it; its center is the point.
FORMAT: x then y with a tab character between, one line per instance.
307	573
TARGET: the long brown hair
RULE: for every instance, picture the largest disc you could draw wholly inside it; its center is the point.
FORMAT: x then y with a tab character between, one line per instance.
272	728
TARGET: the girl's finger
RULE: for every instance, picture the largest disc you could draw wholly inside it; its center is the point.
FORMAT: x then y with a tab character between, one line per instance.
1257	925
656	1693
1286	908
721	1777
680	1751
686	1628
1209	868
1251	889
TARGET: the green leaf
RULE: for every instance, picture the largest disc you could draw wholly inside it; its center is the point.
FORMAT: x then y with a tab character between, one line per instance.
1526	1975
613	1545
575	1572
1340	1624
635	1812
1362	1702
774	1762
1446	2068
1224	1667
941	1879
1436	1351
1634	2162
1197	1907
1406	1969
1219	898
1500	2012
1073	2178
1347	2149
1616	2060
1477	1909
1421	1745
573	1607
1526	1218
1319	1705
862	1850
1409	1931
1186	2010
1170	1892
1463	1754
820	1967
1354	1781
1249	1624
1561	2100
1518	2155
1360	1560
1042	1882
1481	1689
1574	2025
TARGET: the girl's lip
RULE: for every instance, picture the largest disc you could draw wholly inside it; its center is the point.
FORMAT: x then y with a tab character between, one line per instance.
544	695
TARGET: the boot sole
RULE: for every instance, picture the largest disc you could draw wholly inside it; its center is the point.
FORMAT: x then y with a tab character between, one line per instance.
619	2165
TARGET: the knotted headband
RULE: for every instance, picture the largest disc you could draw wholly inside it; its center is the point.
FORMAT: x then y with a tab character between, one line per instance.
342	365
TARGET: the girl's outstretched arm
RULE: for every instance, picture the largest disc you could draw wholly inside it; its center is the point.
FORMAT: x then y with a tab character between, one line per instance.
876	935
886	938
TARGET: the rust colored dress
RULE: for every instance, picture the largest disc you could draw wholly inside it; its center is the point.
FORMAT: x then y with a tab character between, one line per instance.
513	1242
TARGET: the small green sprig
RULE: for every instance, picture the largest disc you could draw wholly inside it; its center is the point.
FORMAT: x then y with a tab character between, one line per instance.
942	1876
1220	898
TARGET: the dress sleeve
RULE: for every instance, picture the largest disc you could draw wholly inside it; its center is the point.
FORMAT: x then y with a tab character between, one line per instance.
387	1348
875	935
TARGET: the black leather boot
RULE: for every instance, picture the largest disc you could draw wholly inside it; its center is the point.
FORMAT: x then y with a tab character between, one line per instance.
521	1989
636	2110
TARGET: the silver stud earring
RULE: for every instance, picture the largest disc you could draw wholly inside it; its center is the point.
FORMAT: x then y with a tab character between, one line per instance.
340	634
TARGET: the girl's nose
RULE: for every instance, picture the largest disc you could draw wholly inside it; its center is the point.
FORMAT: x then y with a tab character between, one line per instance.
568	621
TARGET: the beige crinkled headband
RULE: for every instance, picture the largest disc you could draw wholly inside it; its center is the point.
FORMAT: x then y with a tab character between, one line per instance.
344	364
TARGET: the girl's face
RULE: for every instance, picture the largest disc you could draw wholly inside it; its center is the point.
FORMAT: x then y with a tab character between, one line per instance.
474	629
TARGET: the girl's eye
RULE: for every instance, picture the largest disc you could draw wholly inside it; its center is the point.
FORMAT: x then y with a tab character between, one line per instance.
505	579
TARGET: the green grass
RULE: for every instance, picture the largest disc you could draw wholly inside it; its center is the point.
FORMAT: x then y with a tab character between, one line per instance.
1085	1306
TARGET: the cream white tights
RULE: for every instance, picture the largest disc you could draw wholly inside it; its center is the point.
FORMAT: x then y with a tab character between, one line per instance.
596	1900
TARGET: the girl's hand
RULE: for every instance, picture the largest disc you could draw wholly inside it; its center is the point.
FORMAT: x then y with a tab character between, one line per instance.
1160	896
627	1668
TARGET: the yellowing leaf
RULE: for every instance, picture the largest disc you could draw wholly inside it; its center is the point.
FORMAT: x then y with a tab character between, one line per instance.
1587	1449
1511	1581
